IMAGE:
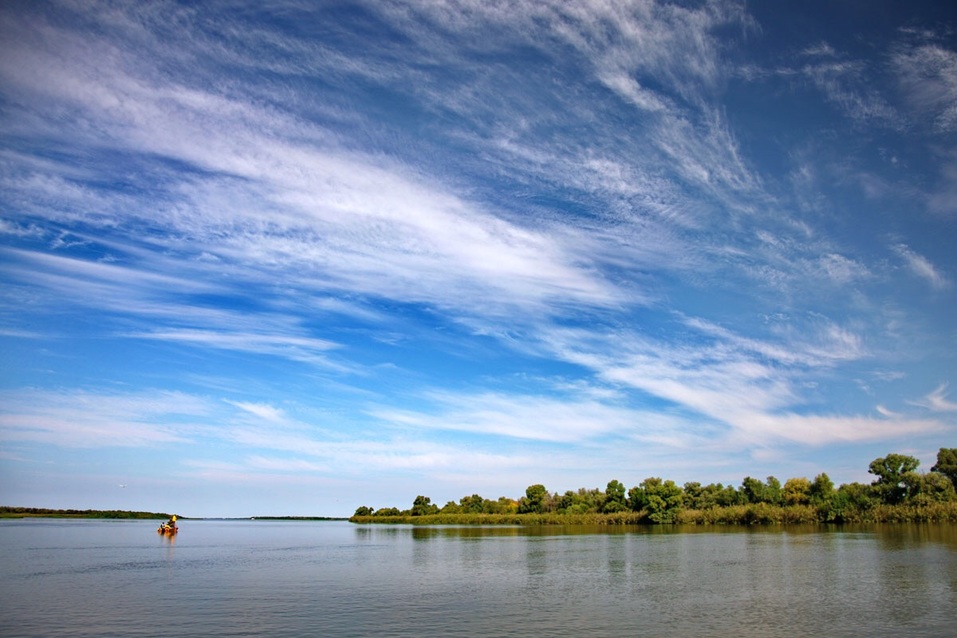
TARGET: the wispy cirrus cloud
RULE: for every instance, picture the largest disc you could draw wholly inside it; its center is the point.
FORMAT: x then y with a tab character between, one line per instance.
921	267
361	222
539	418
937	400
751	391
82	419
927	72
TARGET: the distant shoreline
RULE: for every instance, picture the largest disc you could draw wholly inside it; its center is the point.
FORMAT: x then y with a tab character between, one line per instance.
42	512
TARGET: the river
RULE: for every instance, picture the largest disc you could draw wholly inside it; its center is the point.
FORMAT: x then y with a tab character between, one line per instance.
298	578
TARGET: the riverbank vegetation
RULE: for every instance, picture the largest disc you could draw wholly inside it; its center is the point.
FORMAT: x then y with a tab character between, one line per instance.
899	493
39	512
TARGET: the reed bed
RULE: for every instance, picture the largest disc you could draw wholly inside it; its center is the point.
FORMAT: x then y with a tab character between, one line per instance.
751	514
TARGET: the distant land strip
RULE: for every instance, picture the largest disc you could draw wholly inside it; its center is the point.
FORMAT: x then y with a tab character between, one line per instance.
40	512
7	511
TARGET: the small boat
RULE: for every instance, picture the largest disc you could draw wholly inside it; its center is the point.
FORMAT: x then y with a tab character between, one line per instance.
167	530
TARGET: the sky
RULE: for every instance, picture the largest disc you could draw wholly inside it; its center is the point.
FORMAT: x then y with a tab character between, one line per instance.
292	258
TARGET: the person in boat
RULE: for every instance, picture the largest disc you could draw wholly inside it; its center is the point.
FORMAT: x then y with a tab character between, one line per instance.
170	525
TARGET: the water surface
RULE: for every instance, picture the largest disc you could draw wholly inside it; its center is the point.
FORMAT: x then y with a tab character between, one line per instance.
272	578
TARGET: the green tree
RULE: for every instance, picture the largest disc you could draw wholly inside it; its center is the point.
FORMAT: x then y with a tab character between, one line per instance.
773	493
947	463
614	497
822	490
727	496
753	490
856	495
932	487
473	504
451	507
796	491
694	495
700	497
364	511
534	500
581	502
662	499
890	471
422	506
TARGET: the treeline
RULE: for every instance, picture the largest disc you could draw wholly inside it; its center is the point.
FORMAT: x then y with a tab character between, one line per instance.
30	512
899	493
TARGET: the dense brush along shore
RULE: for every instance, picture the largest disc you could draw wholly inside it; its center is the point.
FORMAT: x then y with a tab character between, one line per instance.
751	514
900	494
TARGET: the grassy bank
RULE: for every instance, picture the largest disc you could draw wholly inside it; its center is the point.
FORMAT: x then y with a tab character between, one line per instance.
753	514
618	518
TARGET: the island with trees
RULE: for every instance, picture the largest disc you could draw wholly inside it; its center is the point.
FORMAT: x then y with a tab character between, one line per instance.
7	511
899	493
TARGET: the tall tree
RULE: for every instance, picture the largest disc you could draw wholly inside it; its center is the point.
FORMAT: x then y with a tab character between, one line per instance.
796	491
662	499
947	463
890	472
422	506
614	497
821	490
534	500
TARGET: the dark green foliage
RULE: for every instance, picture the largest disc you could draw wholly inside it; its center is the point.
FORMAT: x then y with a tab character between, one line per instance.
890	471
755	491
773	493
947	464
581	502
475	504
534	500
933	487
422	506
661	499
821	490
849	503
899	493
614	498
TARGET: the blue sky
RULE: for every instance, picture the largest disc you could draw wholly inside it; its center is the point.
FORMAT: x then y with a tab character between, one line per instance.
297	259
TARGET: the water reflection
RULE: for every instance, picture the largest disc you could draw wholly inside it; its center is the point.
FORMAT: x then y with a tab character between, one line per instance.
891	536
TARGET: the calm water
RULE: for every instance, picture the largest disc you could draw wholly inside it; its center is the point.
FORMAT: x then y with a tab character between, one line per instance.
259	578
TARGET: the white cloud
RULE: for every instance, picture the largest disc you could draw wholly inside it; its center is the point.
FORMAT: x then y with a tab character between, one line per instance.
842	270
360	222
261	410
921	266
828	429
750	391
540	418
937	400
289	346
928	79
97	420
